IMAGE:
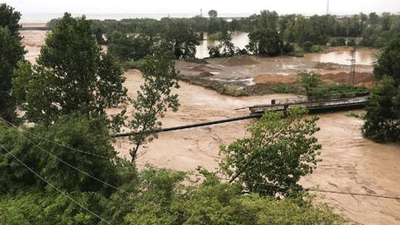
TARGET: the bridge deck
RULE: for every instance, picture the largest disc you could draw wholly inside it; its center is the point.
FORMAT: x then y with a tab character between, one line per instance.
313	105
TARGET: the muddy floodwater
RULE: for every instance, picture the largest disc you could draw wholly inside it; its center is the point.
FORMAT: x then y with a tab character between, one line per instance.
350	163
343	57
241	39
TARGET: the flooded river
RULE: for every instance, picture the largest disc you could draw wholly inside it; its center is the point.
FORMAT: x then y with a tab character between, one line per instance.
350	163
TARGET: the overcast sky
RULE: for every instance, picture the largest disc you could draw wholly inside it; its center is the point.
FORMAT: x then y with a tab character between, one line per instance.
307	7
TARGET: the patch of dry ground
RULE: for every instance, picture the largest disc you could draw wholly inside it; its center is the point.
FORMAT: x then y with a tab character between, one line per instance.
361	79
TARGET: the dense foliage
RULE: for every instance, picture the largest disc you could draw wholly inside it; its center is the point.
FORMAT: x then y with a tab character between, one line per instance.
316	89
11	51
35	147
383	115
389	62
72	75
276	155
269	33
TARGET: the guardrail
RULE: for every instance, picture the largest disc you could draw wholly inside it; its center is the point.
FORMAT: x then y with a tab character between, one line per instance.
312	105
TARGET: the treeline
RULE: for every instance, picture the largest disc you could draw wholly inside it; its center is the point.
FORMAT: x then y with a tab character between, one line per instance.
371	30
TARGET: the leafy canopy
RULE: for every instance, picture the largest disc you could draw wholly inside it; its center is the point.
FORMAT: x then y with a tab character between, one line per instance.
277	154
382	118
154	98
389	62
72	75
11	51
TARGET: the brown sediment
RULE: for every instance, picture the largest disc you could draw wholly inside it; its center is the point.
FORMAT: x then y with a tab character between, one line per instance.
239	61
361	79
271	78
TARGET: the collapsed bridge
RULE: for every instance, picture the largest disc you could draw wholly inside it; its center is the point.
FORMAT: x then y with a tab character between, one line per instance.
256	111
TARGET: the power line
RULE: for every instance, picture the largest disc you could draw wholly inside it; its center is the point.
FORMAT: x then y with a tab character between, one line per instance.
61	145
73	167
51	185
351	193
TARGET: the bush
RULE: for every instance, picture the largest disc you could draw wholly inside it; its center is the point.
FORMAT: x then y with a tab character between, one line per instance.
338	42
283	89
317	48
214	51
132	64
317	90
352	42
356	115
166	201
307	46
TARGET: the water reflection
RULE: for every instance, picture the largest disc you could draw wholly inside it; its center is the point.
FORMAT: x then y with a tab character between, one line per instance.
363	57
241	39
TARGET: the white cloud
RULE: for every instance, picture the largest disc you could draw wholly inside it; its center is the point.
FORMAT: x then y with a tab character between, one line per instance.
166	7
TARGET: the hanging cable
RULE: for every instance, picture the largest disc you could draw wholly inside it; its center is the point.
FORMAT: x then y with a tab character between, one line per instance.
51	185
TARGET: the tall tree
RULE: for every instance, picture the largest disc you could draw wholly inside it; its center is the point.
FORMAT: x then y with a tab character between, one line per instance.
182	39
213	14
277	154
72	75
373	18
382	118
389	62
154	98
265	39
11	51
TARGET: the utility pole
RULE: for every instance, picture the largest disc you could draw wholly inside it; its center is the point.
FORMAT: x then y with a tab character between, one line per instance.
327	7
353	66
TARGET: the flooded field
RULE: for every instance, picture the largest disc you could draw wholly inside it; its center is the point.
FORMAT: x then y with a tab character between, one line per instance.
33	41
350	162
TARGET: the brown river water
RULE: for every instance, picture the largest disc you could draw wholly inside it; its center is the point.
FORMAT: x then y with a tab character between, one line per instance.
350	163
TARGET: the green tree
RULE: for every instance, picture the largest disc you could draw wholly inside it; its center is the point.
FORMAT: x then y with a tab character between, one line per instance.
84	144
373	19
389	62
11	51
182	40
310	81
277	154
131	47
72	75
10	18
265	39
382	119
213	14
227	47
154	98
